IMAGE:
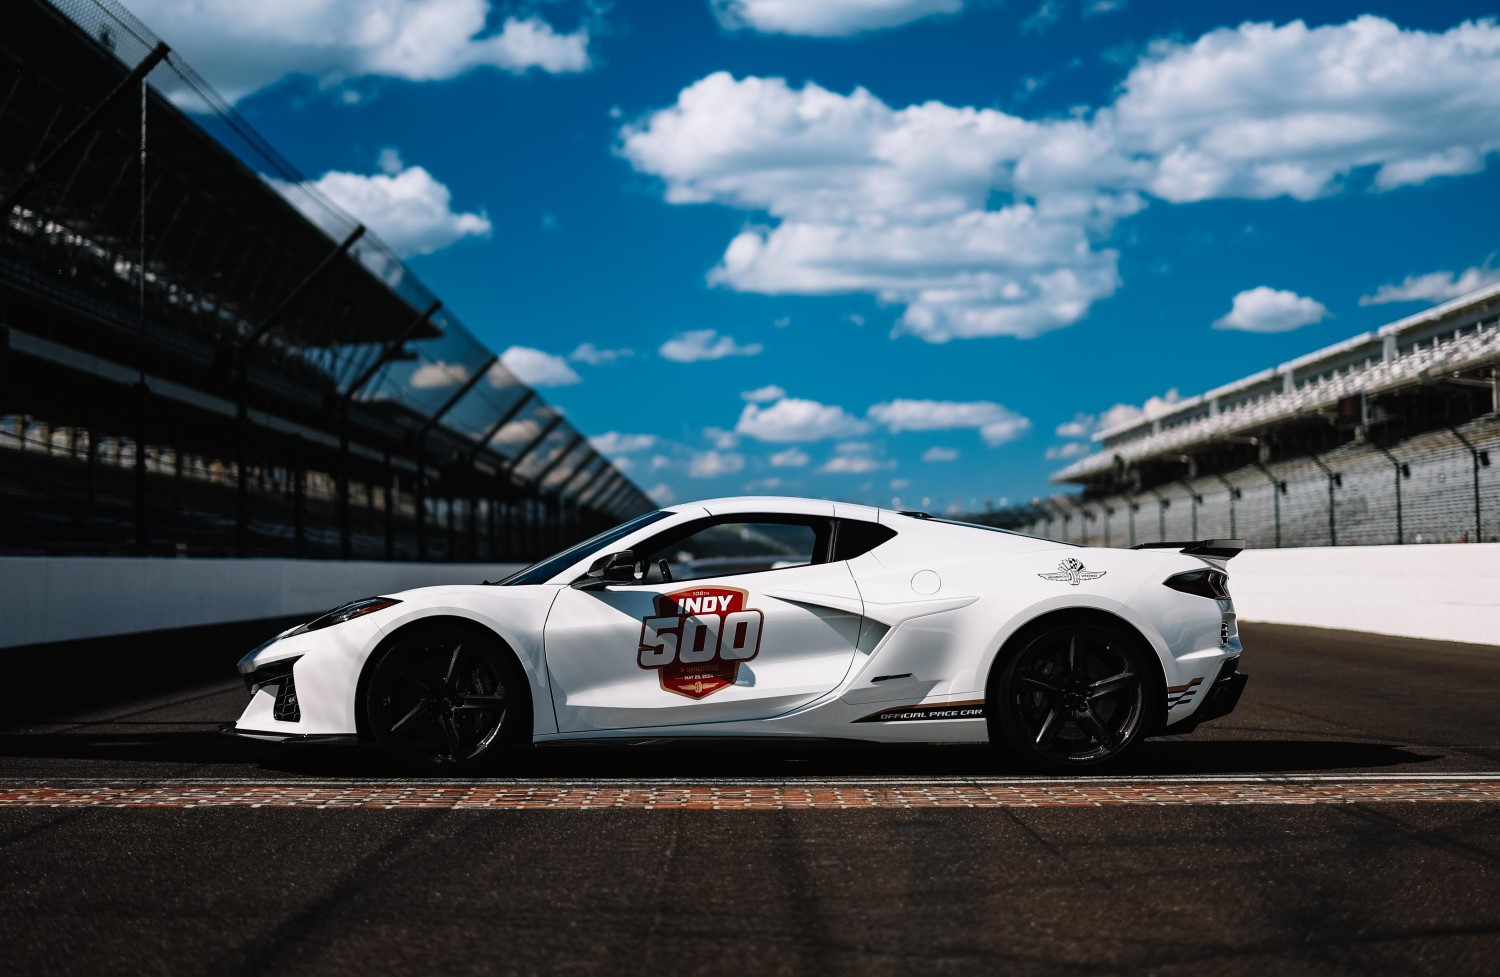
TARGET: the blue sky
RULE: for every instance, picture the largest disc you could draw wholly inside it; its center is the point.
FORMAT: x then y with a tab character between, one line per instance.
935	240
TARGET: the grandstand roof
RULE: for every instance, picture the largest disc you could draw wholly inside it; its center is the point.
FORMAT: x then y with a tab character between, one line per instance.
1436	342
218	196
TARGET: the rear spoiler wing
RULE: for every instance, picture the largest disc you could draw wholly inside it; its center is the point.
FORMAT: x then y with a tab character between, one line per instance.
1224	549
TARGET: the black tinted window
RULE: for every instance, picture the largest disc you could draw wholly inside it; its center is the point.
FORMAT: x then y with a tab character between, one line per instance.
857	538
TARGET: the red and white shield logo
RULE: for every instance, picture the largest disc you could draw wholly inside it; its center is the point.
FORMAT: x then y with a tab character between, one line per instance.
697	639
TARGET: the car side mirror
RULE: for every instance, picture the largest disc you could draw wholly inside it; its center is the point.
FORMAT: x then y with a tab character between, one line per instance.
612	568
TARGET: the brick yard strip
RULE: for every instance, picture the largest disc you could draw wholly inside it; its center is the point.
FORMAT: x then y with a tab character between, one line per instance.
756	795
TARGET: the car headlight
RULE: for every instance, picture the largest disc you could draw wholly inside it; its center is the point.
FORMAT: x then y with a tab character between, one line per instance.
346	612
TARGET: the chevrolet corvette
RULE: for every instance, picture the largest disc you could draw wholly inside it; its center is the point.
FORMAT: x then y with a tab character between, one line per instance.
772	617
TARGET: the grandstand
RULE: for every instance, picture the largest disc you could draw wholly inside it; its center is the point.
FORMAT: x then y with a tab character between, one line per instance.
200	356
1384	438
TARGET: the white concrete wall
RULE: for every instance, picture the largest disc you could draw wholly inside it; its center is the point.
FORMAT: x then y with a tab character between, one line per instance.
1445	592
59	599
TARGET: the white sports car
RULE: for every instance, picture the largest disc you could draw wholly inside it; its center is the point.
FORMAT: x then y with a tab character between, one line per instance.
776	618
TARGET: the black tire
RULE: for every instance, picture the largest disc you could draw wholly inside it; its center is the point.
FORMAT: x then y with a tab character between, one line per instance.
1074	696
447	699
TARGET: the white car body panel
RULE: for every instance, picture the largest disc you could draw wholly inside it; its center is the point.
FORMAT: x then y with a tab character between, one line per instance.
910	628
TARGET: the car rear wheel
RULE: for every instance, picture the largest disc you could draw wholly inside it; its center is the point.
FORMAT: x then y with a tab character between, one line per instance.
1073	697
446	700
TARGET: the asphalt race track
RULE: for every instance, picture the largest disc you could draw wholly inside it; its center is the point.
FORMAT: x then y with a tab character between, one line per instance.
1346	819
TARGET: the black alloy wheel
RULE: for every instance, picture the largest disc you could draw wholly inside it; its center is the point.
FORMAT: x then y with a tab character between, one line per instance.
446	700
1074	696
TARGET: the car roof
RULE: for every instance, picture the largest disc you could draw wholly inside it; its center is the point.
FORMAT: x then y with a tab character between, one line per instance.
777	504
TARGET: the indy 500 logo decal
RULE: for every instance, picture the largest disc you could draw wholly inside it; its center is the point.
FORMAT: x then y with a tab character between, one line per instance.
698	638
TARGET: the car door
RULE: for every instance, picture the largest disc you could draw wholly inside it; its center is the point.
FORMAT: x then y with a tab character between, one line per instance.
750	620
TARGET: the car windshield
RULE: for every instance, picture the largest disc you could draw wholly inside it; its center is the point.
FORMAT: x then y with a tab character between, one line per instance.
553	565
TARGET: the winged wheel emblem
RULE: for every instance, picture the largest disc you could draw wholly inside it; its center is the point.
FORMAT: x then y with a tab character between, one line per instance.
1072	571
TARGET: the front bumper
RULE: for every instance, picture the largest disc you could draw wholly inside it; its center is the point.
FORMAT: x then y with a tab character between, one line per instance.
302	739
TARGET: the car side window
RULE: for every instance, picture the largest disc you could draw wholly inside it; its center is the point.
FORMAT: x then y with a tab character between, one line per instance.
741	544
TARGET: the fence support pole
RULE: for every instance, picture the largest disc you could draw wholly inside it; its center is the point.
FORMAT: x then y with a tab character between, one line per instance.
1401	470
1334	480
1276	489
1481	460
1233	494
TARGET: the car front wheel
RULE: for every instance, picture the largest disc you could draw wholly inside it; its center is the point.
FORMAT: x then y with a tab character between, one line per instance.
446	700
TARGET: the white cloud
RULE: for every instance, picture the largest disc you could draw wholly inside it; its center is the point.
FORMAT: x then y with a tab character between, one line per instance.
761	395
243	47
615	443
722	439
594	356
1073	449
854	458
1266	309
792	419
712	464
851	465
762	484
517	432
1043	17
982	223
1436	286
1121	414
538	368
704	344
790	458
1097	7
900	483
996	424
825	18
1264	111
438	374
1081	426
662	494
938	453
408	209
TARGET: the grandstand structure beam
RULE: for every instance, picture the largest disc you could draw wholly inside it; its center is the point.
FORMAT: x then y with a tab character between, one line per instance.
557	459
534	443
85	126
581	493
615	497
605	492
452	402
592	493
274	316
1481	459
500	422
583	466
391	350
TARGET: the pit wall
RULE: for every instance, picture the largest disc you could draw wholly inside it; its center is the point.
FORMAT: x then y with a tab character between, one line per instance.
1447	593
48	599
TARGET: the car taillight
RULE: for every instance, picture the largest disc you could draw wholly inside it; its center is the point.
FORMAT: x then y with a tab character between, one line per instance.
1212	584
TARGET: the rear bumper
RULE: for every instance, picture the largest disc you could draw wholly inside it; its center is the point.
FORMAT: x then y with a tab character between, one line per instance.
1223	695
1220	700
